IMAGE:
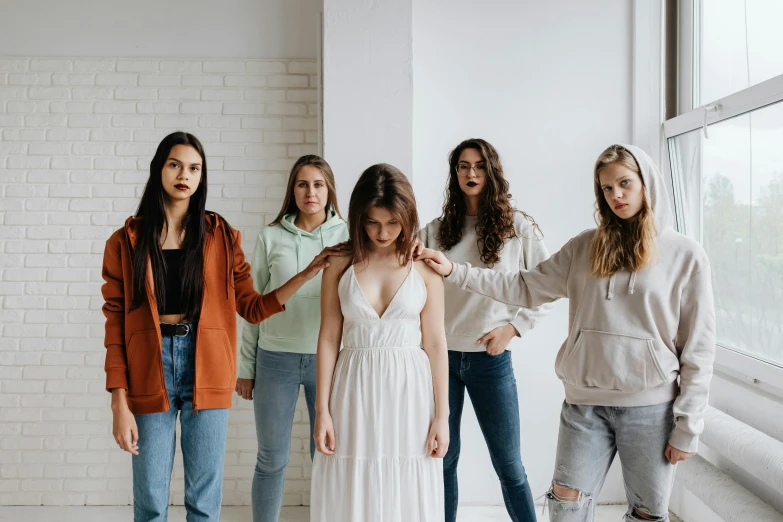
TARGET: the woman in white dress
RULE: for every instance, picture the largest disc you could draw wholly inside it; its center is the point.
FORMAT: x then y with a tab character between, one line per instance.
381	427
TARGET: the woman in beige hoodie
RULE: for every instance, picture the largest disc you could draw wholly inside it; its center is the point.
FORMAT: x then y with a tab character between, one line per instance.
637	363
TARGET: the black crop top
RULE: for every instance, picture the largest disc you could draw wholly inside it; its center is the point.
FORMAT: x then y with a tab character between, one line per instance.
173	282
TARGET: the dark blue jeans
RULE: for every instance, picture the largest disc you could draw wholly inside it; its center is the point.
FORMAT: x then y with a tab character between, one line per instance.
492	388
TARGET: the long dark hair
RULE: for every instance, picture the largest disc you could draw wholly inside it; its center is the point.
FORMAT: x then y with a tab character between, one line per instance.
289	203
495	222
152	222
383	186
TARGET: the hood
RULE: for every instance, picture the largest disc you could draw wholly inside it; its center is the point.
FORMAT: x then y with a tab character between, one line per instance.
332	220
132	224
657	199
655	186
214	226
287	223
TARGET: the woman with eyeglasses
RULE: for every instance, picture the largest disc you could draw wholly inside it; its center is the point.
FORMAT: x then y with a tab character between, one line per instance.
480	226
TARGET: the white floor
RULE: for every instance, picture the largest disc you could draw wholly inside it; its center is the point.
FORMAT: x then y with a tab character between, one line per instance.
240	514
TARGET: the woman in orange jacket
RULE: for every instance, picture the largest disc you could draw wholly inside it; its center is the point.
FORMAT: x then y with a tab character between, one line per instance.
175	278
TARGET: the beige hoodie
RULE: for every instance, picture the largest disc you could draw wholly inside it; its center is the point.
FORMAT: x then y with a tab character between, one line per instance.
630	335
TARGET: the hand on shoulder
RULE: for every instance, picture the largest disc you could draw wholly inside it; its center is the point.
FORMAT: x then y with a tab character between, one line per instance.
338	263
436	260
428	273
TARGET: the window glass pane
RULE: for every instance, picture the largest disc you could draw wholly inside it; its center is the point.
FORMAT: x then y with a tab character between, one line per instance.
730	190
741	45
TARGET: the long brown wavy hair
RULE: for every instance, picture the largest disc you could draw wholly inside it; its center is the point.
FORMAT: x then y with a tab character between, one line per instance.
382	186
289	203
495	220
621	244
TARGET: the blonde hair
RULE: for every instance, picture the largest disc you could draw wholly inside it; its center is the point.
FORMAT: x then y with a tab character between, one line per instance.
618	243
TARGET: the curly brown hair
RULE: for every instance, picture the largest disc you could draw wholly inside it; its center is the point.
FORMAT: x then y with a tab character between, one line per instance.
619	243
495	220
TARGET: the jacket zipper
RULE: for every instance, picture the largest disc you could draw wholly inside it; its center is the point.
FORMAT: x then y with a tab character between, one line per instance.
203	299
154	308
195	372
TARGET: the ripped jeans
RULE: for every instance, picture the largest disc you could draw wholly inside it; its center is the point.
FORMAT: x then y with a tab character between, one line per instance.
589	438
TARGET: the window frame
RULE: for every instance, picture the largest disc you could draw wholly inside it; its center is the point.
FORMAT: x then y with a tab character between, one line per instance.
746	366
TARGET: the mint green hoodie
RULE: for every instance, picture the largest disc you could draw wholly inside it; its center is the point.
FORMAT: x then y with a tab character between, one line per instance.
282	251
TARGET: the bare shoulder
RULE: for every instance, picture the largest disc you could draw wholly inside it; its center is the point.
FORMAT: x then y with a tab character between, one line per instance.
429	275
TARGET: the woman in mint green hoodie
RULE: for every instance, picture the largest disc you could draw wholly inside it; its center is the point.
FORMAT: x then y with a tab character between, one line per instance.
278	356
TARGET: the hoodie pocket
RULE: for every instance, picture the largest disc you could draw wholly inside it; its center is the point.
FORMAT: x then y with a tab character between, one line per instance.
613	361
144	364
214	361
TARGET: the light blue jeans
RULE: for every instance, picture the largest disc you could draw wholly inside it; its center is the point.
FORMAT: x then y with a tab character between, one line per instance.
278	378
203	444
590	436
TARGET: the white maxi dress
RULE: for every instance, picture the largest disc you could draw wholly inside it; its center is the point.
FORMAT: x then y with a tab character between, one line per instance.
382	404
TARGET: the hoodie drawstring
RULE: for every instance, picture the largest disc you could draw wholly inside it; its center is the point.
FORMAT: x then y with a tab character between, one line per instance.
631	286
298	251
610	292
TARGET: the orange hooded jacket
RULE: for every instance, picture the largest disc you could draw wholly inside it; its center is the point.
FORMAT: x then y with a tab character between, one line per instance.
133	340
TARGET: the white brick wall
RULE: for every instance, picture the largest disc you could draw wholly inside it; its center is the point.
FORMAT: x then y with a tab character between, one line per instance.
76	139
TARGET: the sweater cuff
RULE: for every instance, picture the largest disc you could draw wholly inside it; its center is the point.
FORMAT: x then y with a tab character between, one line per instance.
116	378
522	325
684	441
459	274
247	369
271	304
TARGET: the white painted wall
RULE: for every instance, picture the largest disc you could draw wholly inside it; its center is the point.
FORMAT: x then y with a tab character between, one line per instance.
368	91
174	28
549	85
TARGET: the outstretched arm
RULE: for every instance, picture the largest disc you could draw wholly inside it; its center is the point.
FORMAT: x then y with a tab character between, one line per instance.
545	283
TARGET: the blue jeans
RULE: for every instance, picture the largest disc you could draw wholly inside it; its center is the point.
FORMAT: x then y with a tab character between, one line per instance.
203	444
589	438
278	377
492	387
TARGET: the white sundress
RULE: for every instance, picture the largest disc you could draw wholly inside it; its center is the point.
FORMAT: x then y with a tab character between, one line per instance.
382	404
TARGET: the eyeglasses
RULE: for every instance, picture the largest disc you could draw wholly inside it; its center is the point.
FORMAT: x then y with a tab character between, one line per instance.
463	169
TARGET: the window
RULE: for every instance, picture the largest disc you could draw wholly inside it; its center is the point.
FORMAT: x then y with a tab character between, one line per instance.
740	46
726	162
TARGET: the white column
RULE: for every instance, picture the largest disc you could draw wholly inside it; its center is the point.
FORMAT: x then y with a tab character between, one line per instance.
368	88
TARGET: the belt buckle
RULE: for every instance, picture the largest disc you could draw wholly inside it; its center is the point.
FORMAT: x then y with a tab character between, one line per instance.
181	330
